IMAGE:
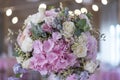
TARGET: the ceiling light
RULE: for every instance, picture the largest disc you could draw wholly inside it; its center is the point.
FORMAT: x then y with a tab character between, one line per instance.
14	20
77	12
78	1
43	5
104	2
95	7
83	10
9	12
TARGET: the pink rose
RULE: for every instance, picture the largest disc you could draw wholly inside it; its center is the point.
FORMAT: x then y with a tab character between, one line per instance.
46	27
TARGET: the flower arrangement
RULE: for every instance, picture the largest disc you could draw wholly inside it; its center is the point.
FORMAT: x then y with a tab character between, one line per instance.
57	44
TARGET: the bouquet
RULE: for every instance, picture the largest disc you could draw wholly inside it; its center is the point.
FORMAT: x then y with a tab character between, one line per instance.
58	45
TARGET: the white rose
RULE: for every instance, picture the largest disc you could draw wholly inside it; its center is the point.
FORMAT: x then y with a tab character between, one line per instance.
26	64
36	18
26	45
80	50
91	66
68	29
82	39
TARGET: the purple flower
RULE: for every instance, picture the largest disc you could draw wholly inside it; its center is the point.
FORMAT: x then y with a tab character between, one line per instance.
13	78
91	46
84	75
72	77
17	68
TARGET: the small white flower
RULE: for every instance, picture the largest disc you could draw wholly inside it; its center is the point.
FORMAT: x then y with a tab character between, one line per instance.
82	39
26	64
36	18
26	45
68	29
80	50
19	59
91	66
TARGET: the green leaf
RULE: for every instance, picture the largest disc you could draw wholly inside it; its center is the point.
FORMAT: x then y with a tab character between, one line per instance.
86	27
37	32
89	15
81	23
78	32
17	75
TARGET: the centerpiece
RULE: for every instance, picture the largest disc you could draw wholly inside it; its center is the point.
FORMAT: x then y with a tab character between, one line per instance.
58	45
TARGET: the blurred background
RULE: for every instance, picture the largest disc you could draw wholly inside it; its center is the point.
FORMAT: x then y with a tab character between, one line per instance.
106	19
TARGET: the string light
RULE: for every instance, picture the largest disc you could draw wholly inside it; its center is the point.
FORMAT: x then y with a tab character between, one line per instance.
84	10
77	12
95	7
104	2
9	12
14	20
78	1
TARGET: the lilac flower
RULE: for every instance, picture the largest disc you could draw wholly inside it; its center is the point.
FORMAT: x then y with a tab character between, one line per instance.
72	77
84	75
13	78
17	68
92	46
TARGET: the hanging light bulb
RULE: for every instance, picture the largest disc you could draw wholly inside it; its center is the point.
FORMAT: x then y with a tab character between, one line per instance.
14	20
78	1
9	12
104	2
84	10
77	12
95	7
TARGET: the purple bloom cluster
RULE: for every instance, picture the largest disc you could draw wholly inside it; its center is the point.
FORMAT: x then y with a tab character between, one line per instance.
13	78
17	68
